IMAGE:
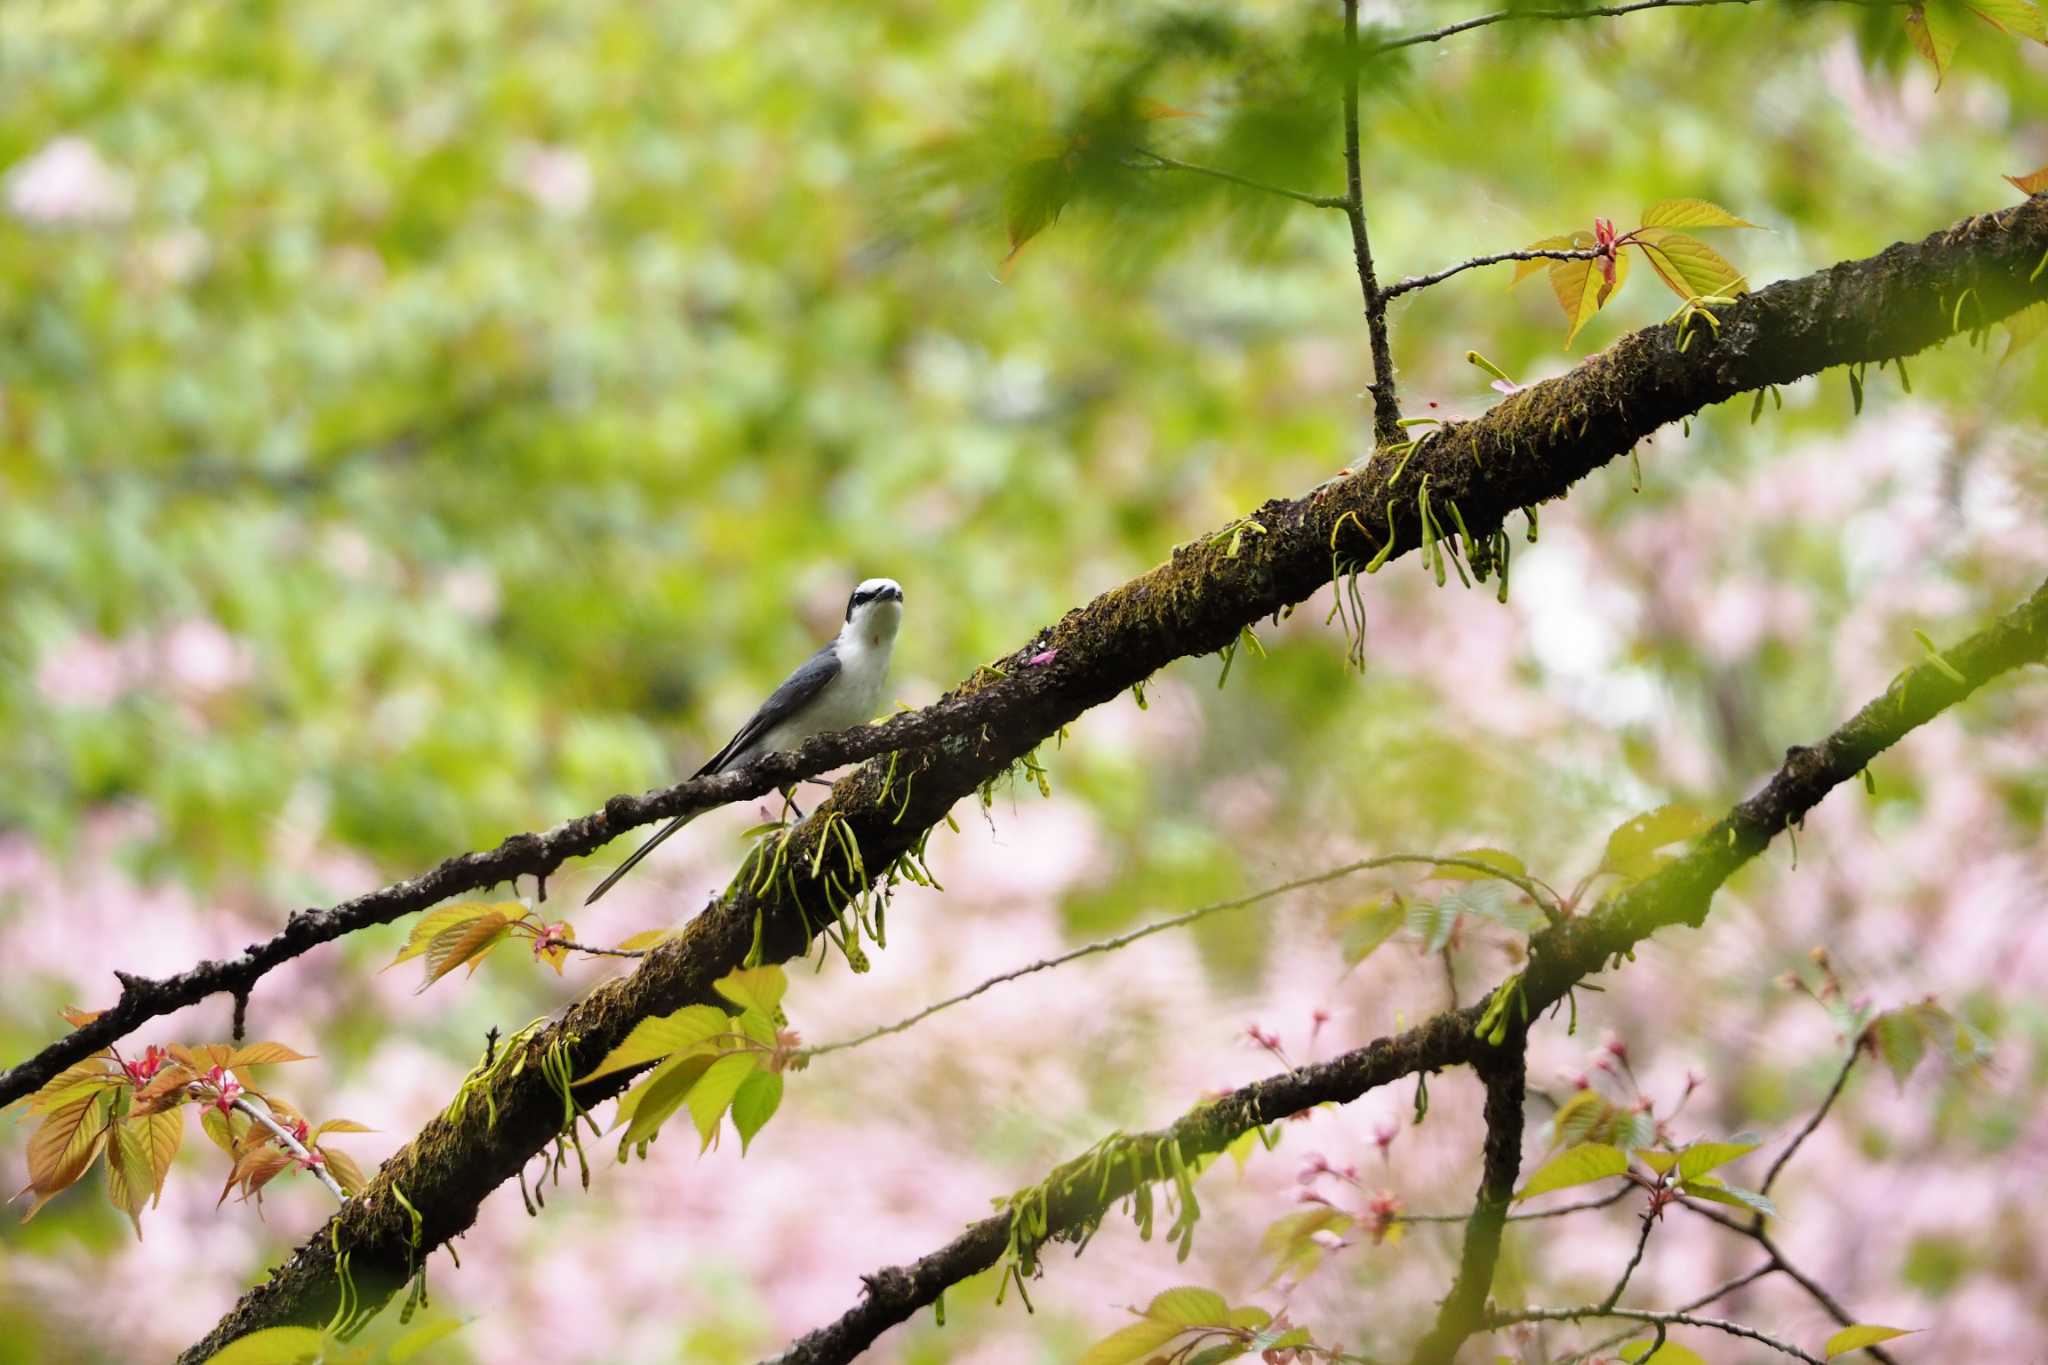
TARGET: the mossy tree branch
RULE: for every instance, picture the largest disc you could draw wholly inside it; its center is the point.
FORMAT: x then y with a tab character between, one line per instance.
1527	449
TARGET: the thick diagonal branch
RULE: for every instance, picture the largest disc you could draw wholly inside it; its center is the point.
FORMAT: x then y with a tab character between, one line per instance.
1527	449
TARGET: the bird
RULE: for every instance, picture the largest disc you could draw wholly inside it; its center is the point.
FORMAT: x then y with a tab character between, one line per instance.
838	687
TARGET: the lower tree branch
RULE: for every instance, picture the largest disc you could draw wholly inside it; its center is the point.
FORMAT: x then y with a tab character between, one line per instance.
1559	957
1529	448
1504	1069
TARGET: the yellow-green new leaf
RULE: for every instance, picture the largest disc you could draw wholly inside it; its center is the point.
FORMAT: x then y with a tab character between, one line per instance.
1582	288
1580	1165
1696	1160
1524	269
1688	265
1189	1306
65	1146
1858	1335
434	923
131	1179
713	1094
2021	18
648	1105
663	1036
466	941
272	1346
1498	858
1129	1345
78	1082
1635	848
754	1103
420	1338
1691	213
755	988
1670	1353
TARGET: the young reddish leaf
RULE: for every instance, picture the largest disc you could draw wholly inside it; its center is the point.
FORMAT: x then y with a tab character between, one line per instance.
203	1059
341	1126
343	1168
1932	39
263	1054
2031	183
2021	18
755	988
79	1018
165	1091
663	1036
1691	213
548	948
1689	266
754	1103
65	1146
273	1346
1140	1341
1188	1306
256	1167
434	923
1580	1165
1635	848
1857	1335
648	1105
713	1093
1524	269
465	941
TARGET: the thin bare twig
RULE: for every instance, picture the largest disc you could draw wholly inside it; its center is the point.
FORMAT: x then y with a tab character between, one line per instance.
1156	162
1437	35
1719	1291
1386	404
1642	1242
1400	287
1621	1192
1527	885
1834	1092
1813	1287
1674	1319
576	947
292	1145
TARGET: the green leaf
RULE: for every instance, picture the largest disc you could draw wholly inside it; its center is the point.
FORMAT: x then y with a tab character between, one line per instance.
1696	1160
1492	857
467	941
1587	1112
712	1095
1660	1162
1858	1335
1901	1041
1433	921
1130	1344
1688	265
755	988
1580	1165
754	1103
1250	1317
1634	849
662	1036
434	923
1670	1353
421	1337
272	1346
1188	1306
1716	1191
2020	18
1691	213
1217	1354
1369	926
648	1105
1033	199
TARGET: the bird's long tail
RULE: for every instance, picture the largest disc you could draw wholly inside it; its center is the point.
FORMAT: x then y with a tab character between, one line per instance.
641	852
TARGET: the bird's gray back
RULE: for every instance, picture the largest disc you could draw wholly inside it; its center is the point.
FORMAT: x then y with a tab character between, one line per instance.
771	728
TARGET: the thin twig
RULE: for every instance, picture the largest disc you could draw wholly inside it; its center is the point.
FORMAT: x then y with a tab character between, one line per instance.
1621	1192
1734	1329
1642	1242
292	1145
1189	917
1400	287
1437	35
1717	1292
1813	1288
1834	1091
1156	162
1386	404
576	947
